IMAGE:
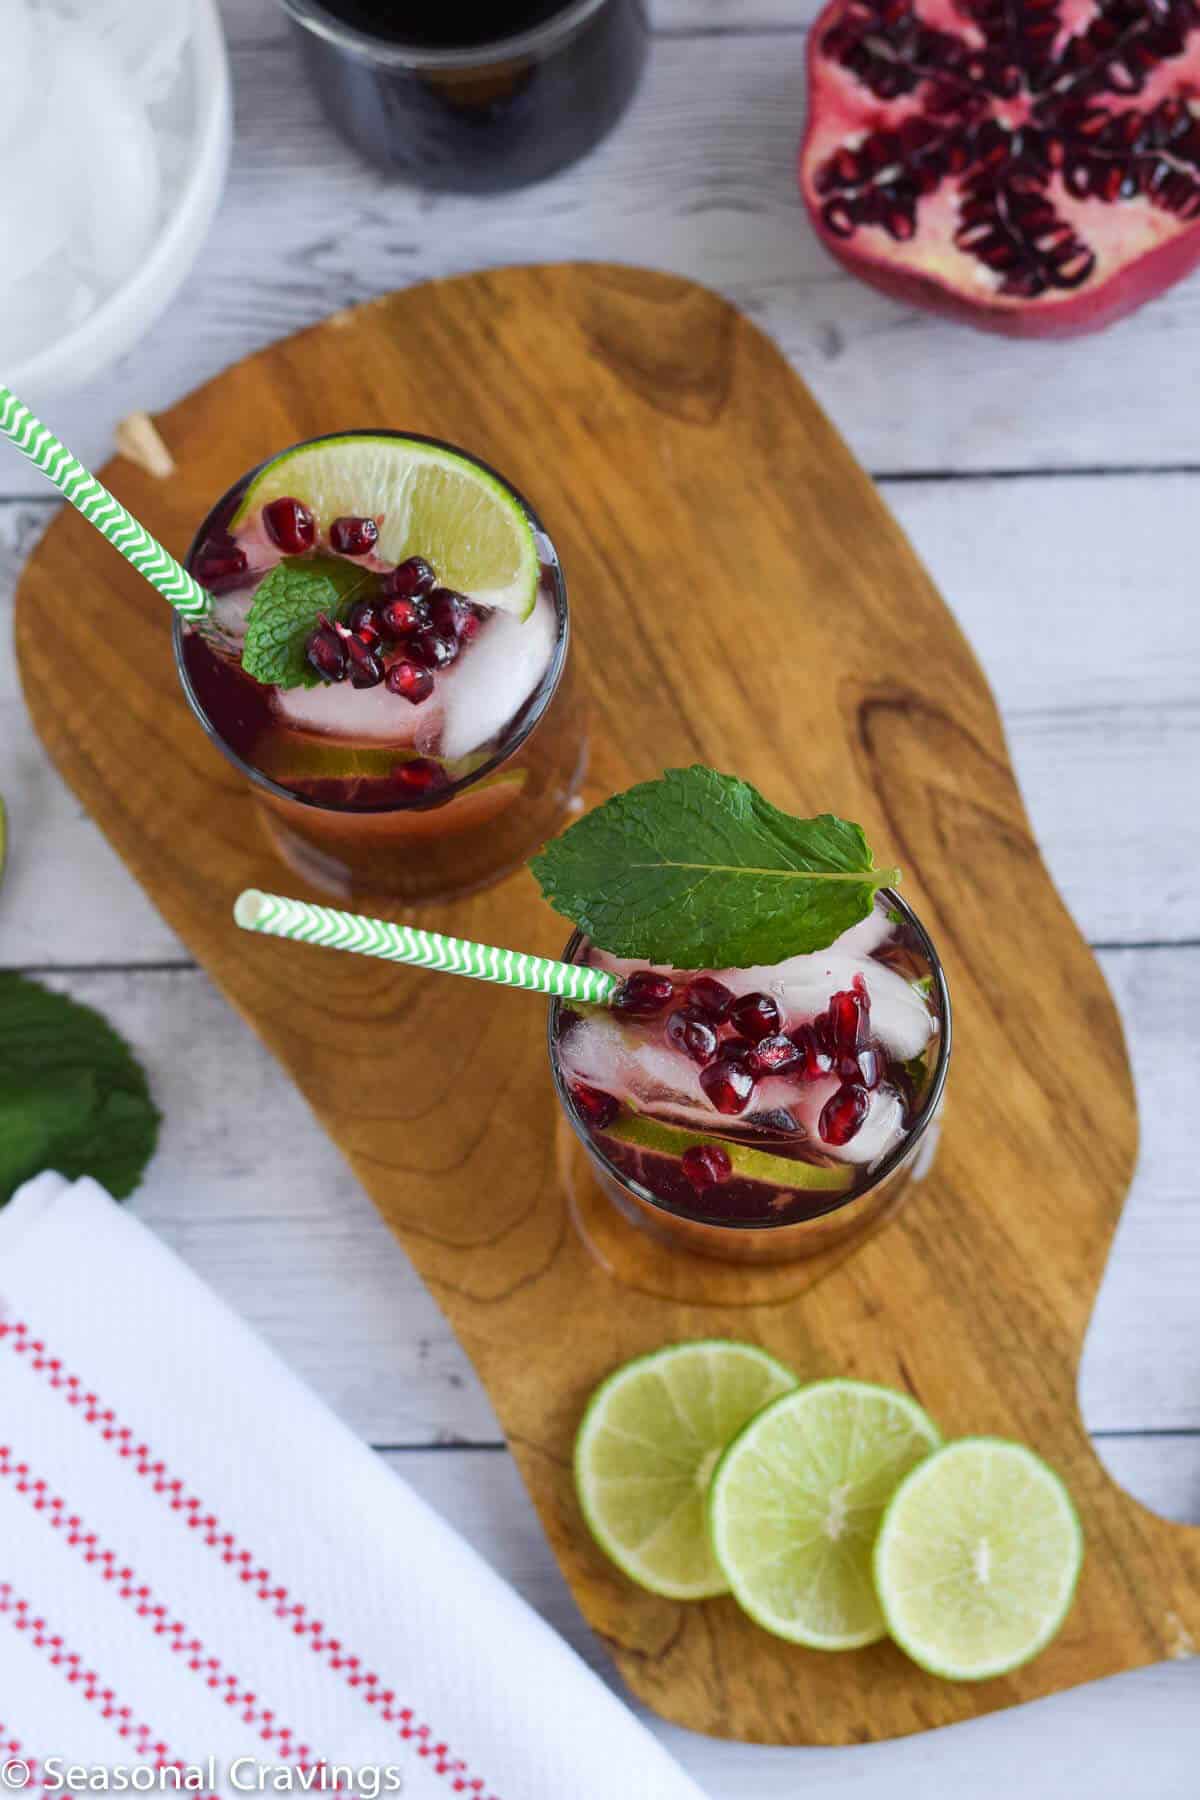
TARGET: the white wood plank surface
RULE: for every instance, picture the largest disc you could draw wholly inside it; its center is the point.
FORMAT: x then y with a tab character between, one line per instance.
699	179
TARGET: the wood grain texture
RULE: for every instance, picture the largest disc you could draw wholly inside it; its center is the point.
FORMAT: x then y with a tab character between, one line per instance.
662	435
1046	577
699	178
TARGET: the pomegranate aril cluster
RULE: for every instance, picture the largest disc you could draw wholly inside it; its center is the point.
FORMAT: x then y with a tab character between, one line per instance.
1003	117
738	1040
407	630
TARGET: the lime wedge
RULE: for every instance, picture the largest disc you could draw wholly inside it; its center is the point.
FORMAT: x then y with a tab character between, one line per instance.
977	1559
796	1502
749	1163
427	502
649	1441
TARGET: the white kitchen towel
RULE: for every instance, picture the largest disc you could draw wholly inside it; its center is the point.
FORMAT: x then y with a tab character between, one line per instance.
200	1566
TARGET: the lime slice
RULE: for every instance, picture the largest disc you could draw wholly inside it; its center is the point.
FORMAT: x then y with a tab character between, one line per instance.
649	1441
796	1502
977	1559
750	1164
427	502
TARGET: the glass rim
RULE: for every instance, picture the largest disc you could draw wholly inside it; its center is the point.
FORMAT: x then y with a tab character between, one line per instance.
888	1165
364	45
417	802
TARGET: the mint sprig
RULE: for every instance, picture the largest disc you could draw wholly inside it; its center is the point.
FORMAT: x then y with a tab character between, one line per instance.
72	1095
286	610
697	870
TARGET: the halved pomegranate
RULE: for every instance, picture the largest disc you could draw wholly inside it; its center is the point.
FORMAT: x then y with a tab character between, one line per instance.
1028	166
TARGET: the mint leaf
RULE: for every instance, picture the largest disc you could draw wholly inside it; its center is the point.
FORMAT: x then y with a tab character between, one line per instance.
72	1095
286	610
697	870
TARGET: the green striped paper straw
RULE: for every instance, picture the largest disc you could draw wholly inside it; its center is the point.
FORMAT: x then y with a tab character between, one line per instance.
304	923
101	509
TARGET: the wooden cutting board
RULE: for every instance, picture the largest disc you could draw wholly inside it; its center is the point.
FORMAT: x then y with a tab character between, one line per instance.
742	597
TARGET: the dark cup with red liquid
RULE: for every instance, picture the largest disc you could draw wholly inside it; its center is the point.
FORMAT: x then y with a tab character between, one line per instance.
762	1115
410	776
478	97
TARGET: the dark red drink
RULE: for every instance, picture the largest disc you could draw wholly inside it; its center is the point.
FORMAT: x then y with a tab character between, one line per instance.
440	739
767	1113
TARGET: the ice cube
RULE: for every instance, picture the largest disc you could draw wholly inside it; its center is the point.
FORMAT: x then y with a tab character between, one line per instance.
17	113
116	181
45	304
489	684
900	1016
593	1050
880	1131
38	187
147	37
363	715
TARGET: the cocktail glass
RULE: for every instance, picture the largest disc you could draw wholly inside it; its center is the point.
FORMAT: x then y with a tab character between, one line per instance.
787	1193
369	817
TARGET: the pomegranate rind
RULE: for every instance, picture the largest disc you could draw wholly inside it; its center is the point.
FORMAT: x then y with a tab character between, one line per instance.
931	273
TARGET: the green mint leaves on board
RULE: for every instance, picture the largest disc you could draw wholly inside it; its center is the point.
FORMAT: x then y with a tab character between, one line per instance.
286	610
72	1095
697	870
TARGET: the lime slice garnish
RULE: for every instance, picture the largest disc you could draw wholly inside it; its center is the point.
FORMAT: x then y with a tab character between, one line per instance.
796	1502
427	502
977	1559
649	1442
747	1162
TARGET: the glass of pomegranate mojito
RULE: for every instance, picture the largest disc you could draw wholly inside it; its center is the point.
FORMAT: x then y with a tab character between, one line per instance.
386	663
764	1112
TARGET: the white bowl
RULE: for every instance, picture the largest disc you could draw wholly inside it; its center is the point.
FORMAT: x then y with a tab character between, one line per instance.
123	317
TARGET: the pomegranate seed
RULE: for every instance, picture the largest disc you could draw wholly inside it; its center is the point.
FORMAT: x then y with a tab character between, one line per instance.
773	1055
353	536
326	654
814	1061
449	611
404	617
738	1050
470	625
410	681
849	1017
842	1115
711	996
644	994
755	1015
435	649
705	1163
366	669
290	525
365	622
220	569
421	775
412	577
728	1085
594	1105
691	1032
